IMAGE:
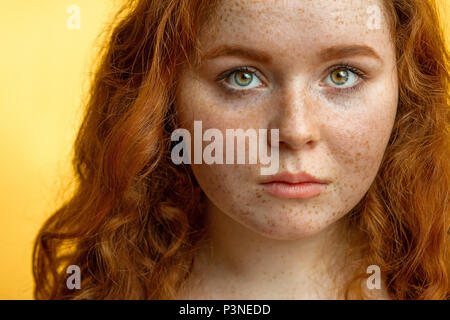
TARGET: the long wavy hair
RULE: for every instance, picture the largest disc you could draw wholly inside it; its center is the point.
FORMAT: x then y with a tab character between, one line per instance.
135	220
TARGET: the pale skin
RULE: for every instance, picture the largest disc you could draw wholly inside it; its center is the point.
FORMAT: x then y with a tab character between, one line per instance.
261	246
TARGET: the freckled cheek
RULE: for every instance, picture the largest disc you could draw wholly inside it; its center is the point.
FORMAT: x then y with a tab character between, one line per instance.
218	115
212	178
224	184
359	148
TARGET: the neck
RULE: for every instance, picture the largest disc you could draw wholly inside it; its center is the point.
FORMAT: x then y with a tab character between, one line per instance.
235	258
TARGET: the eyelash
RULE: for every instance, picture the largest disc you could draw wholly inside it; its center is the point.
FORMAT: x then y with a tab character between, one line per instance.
241	92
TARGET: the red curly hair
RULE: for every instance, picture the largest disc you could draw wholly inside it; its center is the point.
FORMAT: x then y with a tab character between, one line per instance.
135	219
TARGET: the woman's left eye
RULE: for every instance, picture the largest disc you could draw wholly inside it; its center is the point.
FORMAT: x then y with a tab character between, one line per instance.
241	79
342	77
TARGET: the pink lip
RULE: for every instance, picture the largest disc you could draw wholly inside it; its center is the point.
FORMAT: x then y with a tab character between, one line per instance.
288	185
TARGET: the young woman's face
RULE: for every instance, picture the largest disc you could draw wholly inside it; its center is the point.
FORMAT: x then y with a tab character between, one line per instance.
323	72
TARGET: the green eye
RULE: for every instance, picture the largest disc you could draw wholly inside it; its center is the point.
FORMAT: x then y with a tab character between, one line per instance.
339	76
343	77
243	78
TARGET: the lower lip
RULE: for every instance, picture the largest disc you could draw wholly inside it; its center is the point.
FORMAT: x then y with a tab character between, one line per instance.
286	190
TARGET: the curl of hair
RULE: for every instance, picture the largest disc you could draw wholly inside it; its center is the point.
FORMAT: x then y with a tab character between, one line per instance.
135	219
404	217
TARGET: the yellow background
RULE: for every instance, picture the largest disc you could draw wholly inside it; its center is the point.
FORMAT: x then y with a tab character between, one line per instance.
44	67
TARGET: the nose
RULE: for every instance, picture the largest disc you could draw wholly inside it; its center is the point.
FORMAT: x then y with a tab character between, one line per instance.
295	118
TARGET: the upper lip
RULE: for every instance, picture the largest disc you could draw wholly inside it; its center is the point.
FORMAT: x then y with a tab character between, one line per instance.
300	177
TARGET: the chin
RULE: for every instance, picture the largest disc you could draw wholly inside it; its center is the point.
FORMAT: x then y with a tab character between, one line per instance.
286	230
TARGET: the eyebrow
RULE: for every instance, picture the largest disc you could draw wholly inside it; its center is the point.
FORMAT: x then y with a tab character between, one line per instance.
343	51
332	53
238	51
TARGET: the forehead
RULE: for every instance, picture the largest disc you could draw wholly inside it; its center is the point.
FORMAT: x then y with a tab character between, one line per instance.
297	26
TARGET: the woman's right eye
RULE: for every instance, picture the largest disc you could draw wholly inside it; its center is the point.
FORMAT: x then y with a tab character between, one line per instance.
241	79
